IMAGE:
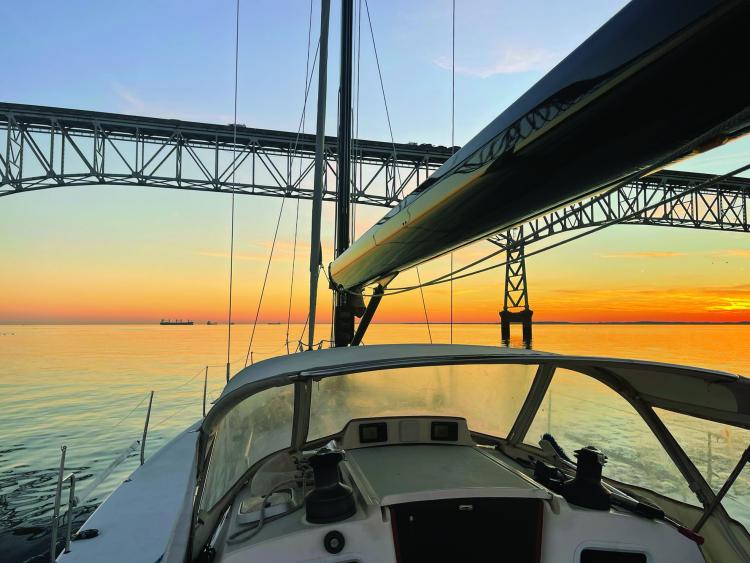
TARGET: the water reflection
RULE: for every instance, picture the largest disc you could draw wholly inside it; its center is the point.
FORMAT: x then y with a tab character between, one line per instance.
81	386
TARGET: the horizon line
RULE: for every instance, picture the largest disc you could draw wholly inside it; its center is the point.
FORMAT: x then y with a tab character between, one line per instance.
223	323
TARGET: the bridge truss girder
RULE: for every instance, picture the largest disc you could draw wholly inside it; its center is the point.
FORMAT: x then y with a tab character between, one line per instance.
667	199
45	147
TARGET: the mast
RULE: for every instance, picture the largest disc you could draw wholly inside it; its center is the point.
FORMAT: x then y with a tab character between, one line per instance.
320	137
343	314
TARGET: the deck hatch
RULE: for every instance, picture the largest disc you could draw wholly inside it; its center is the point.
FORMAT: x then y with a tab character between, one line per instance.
474	529
608	556
408	473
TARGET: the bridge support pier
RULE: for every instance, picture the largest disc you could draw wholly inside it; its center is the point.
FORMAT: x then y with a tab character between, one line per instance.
516	300
516	317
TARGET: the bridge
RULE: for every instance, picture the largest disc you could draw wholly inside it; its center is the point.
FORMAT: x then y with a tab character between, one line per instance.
665	199
45	147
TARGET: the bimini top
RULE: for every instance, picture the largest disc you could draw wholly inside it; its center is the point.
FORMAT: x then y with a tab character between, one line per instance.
713	395
359	358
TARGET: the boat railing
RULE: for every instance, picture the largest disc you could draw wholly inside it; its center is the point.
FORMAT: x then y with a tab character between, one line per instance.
56	518
303	346
63	515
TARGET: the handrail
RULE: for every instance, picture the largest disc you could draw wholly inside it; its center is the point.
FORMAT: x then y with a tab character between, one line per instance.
71	505
71	478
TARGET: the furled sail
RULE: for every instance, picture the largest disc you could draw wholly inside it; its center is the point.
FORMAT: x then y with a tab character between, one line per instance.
659	81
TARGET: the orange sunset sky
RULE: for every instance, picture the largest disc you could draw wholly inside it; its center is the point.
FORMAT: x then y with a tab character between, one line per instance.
137	255
116	255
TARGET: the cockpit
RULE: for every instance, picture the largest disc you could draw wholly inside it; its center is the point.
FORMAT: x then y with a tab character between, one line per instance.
446	453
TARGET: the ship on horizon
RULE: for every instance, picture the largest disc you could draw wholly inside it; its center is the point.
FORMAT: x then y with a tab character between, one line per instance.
175	322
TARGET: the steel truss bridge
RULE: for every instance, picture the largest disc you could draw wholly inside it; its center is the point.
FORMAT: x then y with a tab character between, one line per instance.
665	199
44	147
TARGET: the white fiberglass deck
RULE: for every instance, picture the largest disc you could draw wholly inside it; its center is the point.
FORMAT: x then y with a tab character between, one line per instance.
146	515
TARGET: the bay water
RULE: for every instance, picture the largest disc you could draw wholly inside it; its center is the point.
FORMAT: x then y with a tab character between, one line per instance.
87	387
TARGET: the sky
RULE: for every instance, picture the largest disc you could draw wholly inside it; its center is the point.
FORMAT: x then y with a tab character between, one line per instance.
114	254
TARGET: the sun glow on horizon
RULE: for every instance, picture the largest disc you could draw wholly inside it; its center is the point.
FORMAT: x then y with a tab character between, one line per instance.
60	272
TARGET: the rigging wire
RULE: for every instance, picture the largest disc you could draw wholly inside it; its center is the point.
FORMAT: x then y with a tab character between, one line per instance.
265	279
424	305
453	124
143	396
291	281
108	432
248	355
296	215
453	79
451	296
183	384
382	90
307	92
300	342
393	143
234	169
116	424
175	408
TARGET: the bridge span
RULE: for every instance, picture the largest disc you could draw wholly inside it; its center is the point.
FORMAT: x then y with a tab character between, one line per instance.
665	199
45	147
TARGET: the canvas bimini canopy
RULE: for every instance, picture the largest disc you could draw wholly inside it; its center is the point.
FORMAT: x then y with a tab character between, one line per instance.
656	83
702	393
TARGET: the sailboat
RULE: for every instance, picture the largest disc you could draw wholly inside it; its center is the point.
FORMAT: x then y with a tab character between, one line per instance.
404	453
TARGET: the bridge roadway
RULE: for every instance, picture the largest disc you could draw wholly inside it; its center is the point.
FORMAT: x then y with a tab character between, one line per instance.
45	147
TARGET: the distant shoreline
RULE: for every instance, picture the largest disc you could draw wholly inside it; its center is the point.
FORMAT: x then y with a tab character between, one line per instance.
608	323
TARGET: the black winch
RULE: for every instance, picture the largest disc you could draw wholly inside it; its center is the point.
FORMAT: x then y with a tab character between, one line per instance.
331	500
586	488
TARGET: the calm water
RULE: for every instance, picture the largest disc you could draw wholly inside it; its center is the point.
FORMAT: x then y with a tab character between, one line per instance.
87	386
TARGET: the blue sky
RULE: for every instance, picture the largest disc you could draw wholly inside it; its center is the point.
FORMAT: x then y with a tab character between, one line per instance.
175	59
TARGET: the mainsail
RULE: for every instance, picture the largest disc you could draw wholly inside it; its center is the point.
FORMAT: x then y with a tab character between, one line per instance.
658	82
